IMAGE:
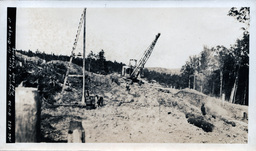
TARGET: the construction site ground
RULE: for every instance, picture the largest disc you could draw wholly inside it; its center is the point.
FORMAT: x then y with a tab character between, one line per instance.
148	113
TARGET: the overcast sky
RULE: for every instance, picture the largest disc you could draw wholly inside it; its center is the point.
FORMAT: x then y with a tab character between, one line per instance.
125	33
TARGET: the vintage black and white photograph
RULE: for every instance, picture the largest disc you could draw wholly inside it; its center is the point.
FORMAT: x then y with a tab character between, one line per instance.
128	75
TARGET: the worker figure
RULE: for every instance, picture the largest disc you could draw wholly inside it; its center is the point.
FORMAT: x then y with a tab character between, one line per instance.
100	101
96	99
127	87
203	109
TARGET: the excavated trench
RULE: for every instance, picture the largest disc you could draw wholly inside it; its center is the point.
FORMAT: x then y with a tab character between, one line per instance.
148	114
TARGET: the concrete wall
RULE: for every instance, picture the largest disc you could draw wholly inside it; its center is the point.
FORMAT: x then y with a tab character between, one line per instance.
27	115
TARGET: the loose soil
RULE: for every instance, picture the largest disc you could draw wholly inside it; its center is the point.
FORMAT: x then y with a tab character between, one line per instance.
148	113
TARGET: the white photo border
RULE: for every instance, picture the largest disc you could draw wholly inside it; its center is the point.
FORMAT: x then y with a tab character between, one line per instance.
127	146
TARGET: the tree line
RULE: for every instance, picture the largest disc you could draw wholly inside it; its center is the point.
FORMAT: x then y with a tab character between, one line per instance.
168	80
95	63
217	71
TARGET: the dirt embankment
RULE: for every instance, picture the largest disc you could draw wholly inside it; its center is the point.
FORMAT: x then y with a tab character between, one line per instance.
146	114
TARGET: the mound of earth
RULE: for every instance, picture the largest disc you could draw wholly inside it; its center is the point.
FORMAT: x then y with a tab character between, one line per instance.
147	113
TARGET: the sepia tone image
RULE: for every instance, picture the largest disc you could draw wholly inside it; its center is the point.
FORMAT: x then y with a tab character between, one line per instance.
132	75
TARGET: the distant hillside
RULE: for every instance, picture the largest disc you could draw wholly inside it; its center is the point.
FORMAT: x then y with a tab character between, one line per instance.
165	70
165	77
96	63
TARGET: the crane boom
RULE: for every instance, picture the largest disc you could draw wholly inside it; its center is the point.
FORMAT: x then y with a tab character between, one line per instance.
72	51
144	58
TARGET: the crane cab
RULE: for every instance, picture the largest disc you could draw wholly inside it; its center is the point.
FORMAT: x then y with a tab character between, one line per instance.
127	70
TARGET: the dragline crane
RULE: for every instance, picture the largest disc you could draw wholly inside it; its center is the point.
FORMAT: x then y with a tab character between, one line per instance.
133	71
